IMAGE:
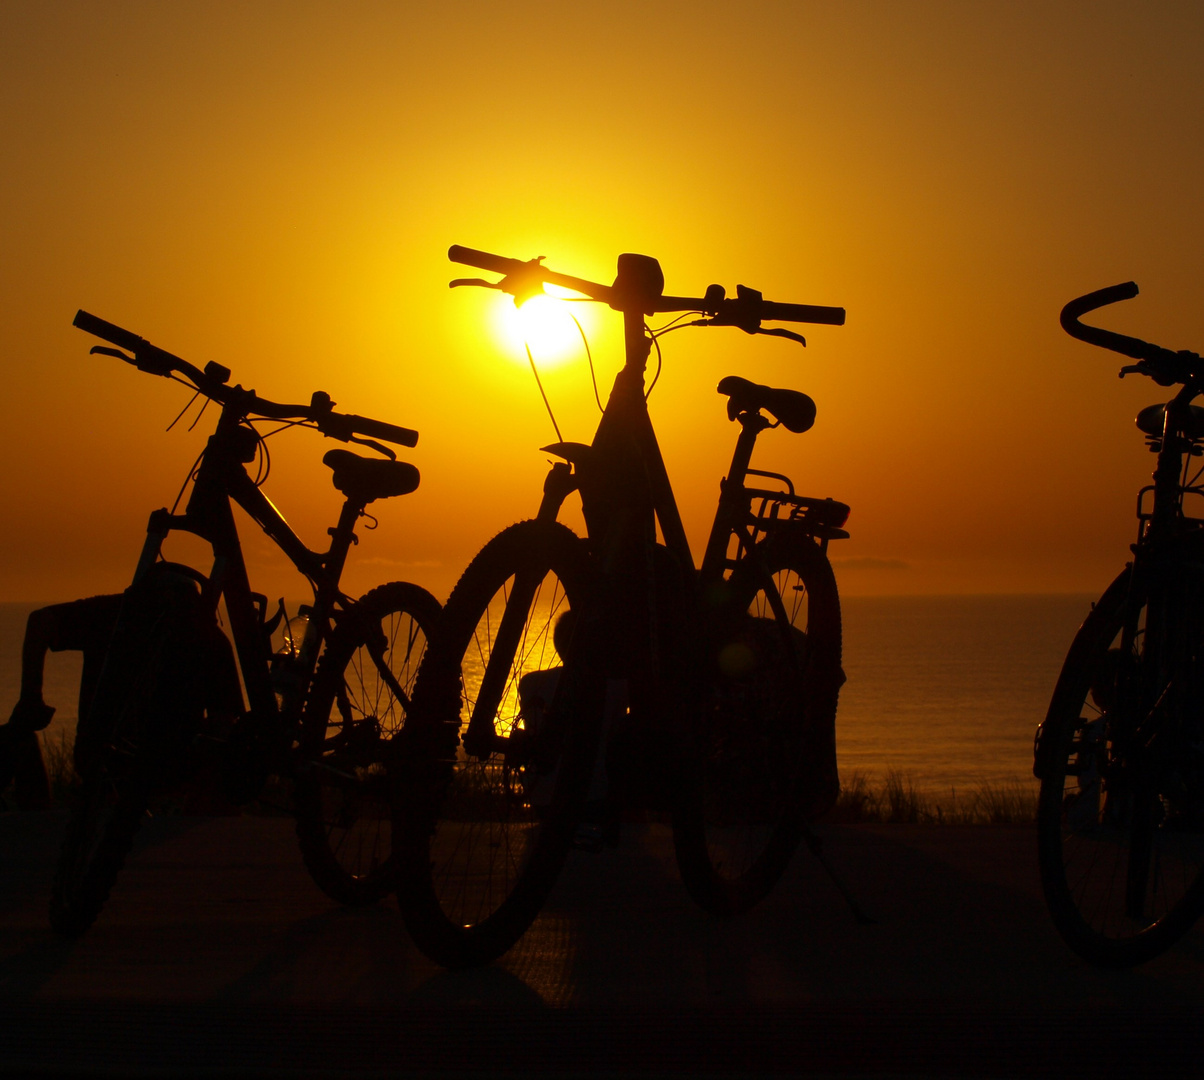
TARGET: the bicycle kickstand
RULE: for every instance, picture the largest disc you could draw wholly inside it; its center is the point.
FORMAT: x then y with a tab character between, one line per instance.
815	846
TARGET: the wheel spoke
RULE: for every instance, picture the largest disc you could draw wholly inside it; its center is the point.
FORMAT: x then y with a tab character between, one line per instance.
476	849
358	703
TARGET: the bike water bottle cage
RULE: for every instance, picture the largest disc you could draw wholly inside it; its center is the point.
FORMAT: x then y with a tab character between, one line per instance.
793	409
364	480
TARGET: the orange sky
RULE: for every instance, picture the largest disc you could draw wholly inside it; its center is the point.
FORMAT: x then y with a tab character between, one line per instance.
274	186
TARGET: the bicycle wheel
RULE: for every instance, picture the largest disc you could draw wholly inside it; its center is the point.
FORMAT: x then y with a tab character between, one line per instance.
359	701
146	703
104	819
765	755
1121	810
495	762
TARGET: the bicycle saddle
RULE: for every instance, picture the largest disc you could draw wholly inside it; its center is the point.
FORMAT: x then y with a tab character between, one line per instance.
366	479
1151	420
793	409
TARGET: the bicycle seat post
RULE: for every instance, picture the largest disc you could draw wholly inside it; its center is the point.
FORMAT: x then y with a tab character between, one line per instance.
342	537
751	425
731	490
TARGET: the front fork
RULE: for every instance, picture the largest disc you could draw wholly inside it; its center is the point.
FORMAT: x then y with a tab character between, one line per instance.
1147	734
228	578
481	739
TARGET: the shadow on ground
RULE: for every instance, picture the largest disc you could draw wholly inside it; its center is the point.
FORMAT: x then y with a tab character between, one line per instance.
217	953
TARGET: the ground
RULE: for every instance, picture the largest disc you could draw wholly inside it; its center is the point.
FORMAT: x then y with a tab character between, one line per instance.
216	954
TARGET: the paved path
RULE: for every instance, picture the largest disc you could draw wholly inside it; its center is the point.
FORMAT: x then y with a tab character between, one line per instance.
217	954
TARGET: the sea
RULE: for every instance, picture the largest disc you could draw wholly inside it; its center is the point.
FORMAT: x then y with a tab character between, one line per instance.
948	690
945	691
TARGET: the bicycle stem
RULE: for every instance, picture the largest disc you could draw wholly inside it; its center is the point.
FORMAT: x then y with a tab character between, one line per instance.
636	342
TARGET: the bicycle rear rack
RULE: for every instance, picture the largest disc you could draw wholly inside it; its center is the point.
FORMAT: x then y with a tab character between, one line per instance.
772	509
776	509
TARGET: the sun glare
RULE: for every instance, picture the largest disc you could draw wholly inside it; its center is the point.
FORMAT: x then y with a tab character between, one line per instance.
543	323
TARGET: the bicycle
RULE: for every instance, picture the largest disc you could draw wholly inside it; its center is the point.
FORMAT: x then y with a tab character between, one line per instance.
1120	754
716	688
321	710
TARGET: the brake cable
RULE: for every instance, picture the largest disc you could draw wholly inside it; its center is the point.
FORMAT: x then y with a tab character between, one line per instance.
201	413
590	357
547	404
187	406
659	363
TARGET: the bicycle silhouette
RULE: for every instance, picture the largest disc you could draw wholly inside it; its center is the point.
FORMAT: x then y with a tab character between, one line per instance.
1120	753
168	700
716	688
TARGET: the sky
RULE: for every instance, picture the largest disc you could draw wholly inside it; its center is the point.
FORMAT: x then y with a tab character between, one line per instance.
275	186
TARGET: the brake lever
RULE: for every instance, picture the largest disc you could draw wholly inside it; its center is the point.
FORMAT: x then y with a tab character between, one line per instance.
148	361
777	331
514	284
1143	367
774	331
104	350
372	444
479	282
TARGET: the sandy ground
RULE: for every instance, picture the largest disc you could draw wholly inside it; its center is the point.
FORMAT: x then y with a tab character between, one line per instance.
217	955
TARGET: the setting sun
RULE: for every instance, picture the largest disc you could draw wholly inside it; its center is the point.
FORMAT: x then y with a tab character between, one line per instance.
299	232
545	325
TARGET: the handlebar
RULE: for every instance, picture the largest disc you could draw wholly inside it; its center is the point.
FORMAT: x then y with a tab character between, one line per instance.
1093	335
98	327
1162	365
638	292
213	383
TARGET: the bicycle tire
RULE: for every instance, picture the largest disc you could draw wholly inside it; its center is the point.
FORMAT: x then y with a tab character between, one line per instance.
483	836
104	819
140	715
1121	849
763	759
344	822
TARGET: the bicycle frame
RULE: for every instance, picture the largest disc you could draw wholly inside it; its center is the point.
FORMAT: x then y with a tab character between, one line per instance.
1168	488
1171	609
626	493
174	700
221	478
1120	812
626	423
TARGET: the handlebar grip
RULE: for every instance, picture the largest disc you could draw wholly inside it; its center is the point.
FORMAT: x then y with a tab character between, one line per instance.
808	313
378	429
483	260
147	357
107	331
1105	339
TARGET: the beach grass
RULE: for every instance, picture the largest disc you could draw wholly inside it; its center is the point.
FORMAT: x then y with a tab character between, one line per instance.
60	765
198	798
895	798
